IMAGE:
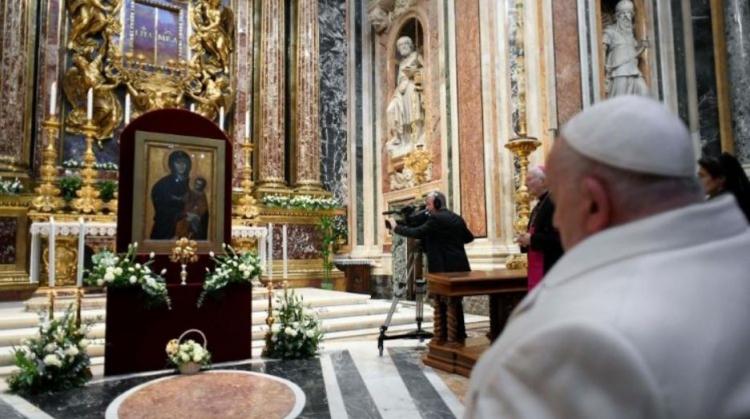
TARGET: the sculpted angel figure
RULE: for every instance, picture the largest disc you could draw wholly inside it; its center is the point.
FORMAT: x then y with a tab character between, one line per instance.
213	29
88	17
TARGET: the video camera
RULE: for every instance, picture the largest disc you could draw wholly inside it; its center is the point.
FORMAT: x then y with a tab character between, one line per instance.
410	215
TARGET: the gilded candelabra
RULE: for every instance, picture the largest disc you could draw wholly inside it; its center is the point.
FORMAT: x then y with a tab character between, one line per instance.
247	207
48	194
523	145
184	253
88	201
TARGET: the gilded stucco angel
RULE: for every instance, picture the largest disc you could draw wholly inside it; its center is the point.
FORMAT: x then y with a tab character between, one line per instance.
213	31
87	18
85	74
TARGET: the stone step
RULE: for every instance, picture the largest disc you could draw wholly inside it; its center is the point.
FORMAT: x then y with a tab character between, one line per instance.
336	311
14	337
24	319
352	323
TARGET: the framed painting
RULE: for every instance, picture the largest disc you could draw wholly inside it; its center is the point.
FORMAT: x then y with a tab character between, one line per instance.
178	191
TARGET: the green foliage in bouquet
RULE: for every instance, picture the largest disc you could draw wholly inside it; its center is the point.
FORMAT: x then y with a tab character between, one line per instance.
123	271
69	185
297	333
107	189
231	268
54	361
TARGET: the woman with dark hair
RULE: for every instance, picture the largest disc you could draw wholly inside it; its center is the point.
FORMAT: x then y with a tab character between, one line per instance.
168	196
725	174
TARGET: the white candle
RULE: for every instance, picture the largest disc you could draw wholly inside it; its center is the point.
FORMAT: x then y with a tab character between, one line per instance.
127	108
192	107
283	243
247	124
34	274
81	244
221	118
90	104
270	251
53	99
51	253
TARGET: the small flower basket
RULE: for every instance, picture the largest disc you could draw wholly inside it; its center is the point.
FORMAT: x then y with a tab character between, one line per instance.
188	356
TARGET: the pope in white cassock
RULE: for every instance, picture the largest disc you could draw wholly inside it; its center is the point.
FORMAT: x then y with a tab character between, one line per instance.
646	315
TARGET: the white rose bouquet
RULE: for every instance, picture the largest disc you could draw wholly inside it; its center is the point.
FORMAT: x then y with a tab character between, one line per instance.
54	361
297	333
189	355
230	268
122	271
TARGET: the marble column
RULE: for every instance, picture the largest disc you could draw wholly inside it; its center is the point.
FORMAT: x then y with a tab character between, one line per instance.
17	39
306	145
270	109
737	30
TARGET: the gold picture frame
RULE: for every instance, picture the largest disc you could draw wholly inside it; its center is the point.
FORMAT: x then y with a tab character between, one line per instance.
178	191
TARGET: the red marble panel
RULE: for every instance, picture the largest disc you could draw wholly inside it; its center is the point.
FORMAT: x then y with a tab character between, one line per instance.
567	59
470	118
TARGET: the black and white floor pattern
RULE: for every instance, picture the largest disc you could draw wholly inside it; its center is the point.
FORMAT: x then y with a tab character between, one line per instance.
348	379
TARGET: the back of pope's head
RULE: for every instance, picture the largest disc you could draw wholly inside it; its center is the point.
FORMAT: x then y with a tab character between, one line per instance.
621	160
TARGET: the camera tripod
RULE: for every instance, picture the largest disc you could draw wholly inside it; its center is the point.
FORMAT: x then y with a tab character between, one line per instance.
400	287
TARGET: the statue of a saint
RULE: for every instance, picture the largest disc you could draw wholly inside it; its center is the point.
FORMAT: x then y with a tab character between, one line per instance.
622	52
405	113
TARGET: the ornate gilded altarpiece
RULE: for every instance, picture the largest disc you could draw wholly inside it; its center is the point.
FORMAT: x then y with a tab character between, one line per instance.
160	53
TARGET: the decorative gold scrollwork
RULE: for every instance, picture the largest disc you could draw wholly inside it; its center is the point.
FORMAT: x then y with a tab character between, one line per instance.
98	63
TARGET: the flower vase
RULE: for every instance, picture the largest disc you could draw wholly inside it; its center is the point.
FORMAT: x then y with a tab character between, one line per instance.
189	368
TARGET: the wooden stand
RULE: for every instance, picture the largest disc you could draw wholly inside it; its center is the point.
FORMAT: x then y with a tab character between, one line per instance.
449	350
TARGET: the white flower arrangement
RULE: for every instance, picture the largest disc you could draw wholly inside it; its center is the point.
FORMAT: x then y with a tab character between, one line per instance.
55	360
230	268
75	164
10	187
123	271
189	355
305	202
297	333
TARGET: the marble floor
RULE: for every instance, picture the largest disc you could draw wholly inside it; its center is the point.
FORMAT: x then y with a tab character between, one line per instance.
348	379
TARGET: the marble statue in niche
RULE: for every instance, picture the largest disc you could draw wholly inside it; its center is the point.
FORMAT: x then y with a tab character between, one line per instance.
622	52
405	112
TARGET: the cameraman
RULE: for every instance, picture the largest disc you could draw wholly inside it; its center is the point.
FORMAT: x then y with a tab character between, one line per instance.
443	235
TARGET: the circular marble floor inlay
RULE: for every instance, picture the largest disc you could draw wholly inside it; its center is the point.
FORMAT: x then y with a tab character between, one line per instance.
213	394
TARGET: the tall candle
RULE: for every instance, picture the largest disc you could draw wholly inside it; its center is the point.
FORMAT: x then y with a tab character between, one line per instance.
283	239
127	108
53	99
270	251
221	118
247	124
90	105
192	107
51	254
81	243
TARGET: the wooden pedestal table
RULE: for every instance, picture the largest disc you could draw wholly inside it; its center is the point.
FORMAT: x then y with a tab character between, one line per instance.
449	350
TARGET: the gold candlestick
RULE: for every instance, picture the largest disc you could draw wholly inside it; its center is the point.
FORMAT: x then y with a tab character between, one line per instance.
88	201
48	194
247	207
184	253
270	320
51	304
79	301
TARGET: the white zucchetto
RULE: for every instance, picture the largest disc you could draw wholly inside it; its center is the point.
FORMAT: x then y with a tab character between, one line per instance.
633	133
